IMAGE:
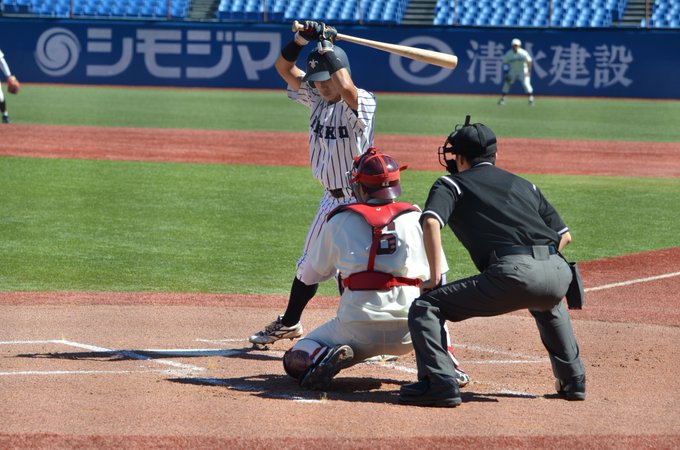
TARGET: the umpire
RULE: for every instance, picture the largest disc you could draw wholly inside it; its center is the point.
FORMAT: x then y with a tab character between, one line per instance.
513	235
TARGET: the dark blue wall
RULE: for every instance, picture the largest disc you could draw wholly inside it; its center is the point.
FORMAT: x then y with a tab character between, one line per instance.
584	62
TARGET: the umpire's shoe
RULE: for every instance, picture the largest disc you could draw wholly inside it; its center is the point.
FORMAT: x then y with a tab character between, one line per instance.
433	390
319	377
573	389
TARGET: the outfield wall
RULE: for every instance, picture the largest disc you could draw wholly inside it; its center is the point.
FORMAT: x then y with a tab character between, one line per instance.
638	63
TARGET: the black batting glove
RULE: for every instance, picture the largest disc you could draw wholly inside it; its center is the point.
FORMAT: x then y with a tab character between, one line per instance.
328	33
310	32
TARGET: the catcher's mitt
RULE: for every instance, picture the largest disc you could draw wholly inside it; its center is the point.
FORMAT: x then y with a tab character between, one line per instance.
13	85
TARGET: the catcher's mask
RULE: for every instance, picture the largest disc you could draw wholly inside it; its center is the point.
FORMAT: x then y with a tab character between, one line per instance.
472	140
317	70
377	173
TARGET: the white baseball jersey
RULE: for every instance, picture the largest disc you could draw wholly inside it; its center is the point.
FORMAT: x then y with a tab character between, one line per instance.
336	136
5	69
518	62
519	70
344	244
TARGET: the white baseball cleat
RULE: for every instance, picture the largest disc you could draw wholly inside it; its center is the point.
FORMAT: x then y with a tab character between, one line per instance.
275	331
462	378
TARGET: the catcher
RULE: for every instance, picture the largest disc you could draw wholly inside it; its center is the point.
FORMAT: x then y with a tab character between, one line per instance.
377	245
12	87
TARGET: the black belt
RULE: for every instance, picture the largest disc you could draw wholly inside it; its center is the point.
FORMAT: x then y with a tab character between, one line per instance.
517	250
337	193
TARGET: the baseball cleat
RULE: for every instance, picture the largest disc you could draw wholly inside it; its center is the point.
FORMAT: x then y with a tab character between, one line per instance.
275	331
5	119
501	102
319	377
382	358
461	377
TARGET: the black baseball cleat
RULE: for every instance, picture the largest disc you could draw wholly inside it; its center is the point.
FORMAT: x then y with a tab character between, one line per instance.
319	377
434	390
5	119
573	390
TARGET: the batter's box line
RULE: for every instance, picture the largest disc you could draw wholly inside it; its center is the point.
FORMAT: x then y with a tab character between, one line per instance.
515	358
178	367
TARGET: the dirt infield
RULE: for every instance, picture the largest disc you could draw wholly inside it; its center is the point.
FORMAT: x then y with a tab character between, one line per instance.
419	152
132	370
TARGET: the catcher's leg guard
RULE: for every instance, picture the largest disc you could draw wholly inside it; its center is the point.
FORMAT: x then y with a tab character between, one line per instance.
305	354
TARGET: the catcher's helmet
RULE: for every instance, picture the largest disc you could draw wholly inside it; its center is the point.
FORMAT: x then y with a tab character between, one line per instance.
472	140
317	70
378	173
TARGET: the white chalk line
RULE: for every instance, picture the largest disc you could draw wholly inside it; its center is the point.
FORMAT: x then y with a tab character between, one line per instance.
188	369
85	372
182	367
144	354
634	281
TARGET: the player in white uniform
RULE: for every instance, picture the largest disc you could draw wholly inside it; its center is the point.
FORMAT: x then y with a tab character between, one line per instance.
377	246
3	104
518	64
340	128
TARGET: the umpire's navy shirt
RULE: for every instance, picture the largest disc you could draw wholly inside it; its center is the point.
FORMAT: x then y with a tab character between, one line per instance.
489	208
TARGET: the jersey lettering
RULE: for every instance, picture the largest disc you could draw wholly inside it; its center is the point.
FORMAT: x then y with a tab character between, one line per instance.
318	129
328	132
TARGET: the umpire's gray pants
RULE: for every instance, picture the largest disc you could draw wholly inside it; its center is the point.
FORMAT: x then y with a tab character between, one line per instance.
509	283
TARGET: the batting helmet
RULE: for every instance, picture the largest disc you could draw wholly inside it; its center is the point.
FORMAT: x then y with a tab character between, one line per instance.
378	173
317	69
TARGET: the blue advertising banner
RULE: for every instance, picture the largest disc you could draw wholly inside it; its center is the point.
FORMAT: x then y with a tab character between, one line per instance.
638	63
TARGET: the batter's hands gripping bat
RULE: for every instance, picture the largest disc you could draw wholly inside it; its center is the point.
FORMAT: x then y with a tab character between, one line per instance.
427	56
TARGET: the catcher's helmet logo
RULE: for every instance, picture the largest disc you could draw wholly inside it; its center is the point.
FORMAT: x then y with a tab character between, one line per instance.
313	63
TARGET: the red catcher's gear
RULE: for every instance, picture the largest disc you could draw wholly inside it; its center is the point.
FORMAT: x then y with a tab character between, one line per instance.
378	217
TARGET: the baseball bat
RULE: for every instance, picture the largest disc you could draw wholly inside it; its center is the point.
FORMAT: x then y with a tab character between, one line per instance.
427	56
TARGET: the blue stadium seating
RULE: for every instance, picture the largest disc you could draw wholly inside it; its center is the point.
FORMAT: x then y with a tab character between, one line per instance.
665	14
335	11
147	9
505	13
530	13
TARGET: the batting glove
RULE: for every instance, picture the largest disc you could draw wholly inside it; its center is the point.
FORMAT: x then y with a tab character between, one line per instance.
324	47
310	32
326	38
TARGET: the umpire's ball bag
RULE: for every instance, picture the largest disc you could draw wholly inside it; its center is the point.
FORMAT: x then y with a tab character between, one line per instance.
575	293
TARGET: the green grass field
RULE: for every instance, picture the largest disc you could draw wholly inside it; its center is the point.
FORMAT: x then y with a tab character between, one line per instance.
130	226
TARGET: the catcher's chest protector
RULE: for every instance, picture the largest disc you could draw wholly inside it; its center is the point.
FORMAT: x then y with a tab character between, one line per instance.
378	217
